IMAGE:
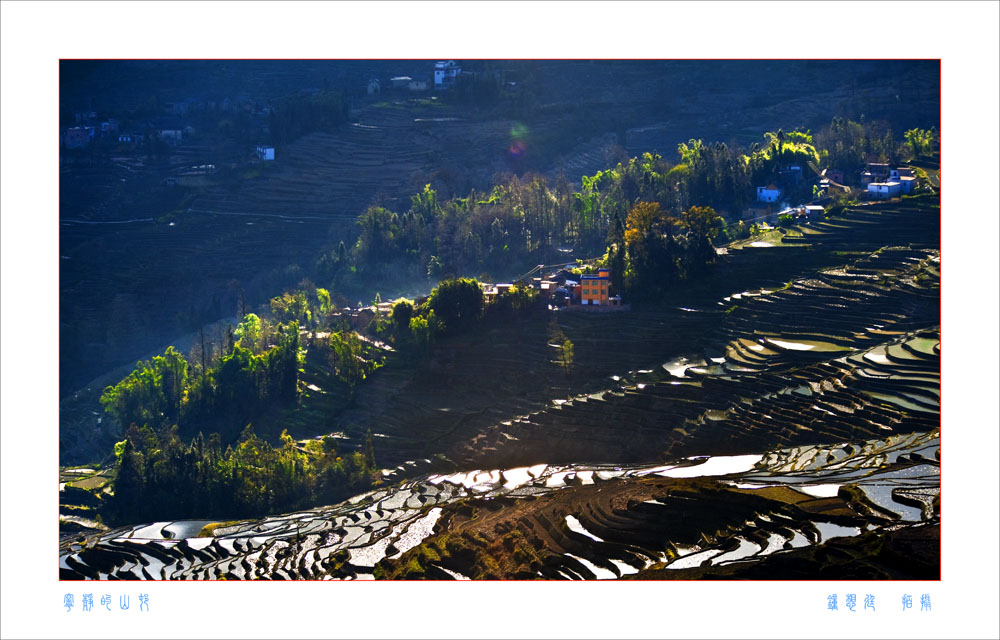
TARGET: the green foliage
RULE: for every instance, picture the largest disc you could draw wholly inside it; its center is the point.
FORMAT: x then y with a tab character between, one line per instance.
849	145
785	220
434	267
516	300
566	355
346	356
379	229
294	307
425	204
457	303
921	142
799	137
525	220
250	333
152	394
323	300
402	312
260	369
158	477
421	333
660	249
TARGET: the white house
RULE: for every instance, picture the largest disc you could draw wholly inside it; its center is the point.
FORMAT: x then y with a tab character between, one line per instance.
417	85
445	73
265	153
770	193
884	190
904	176
907	183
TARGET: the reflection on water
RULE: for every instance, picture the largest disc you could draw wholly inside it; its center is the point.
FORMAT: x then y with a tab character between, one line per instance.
828	530
694	560
714	466
396	519
820	490
599	572
745	549
574	525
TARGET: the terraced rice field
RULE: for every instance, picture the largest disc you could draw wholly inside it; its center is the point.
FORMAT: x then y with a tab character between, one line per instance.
782	420
717	510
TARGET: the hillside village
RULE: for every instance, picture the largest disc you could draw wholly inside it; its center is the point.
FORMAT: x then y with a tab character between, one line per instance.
157	127
877	181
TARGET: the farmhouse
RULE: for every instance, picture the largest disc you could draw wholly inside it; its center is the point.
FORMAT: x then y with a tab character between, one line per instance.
884	190
770	193
904	176
265	153
809	211
445	73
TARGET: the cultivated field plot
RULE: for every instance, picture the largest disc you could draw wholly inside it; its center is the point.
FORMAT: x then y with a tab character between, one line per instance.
780	420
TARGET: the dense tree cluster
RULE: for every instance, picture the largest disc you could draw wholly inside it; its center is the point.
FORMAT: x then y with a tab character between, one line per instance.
259	368
848	145
655	249
526	220
920	141
159	477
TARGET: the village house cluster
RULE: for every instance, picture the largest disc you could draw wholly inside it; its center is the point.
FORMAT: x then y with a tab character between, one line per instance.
172	125
444	74
564	289
876	182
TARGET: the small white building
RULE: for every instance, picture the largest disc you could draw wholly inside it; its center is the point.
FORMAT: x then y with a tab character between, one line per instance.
904	176
770	193
374	88
417	85
400	82
445	73
265	153
814	211
884	190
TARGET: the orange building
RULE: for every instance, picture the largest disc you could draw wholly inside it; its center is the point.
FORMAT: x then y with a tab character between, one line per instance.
594	289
